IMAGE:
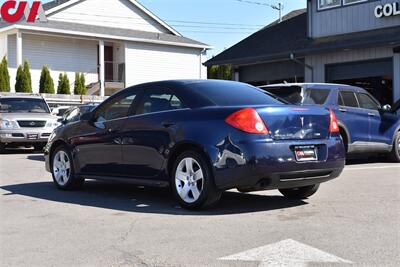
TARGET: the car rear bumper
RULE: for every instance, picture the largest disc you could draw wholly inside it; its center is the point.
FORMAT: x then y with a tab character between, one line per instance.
24	136
272	165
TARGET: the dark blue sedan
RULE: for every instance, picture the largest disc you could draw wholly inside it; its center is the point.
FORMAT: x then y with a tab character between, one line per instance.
200	138
365	125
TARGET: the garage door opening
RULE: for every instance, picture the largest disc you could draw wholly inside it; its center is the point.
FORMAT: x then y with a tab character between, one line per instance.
376	76
380	87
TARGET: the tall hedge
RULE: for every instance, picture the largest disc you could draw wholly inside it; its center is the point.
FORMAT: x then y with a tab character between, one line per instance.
21	81
83	82
4	76
63	85
79	86
46	83
28	75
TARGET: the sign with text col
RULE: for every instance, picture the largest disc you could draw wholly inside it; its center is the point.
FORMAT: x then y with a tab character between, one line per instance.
13	11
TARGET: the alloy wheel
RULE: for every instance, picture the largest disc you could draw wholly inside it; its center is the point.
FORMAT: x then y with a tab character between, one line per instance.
61	168
189	180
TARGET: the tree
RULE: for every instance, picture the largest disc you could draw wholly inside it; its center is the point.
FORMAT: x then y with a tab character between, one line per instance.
224	72
4	76
28	75
63	85
46	84
21	81
79	86
83	82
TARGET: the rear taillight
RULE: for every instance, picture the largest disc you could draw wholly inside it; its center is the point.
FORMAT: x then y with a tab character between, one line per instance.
334	126
247	120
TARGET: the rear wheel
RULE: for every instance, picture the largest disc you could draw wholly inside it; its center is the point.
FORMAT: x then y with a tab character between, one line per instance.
63	170
192	182
395	154
300	192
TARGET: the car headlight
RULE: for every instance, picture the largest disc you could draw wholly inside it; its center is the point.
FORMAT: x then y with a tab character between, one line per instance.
52	124
8	124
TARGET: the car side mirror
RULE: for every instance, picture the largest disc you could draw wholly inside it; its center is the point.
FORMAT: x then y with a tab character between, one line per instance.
55	112
87	117
387	108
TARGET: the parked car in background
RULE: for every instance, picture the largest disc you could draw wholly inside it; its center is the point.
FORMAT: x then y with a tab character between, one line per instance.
365	125
59	111
200	138
74	114
25	120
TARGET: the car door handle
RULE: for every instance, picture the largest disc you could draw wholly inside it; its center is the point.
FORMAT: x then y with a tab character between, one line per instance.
167	124
342	109
371	114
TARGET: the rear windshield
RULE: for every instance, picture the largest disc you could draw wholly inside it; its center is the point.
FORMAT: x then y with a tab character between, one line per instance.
234	94
295	94
23	105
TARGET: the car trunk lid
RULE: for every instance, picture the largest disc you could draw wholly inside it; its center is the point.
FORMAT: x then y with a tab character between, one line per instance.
296	122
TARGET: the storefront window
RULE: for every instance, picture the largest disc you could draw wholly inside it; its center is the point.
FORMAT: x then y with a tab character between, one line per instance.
324	4
349	2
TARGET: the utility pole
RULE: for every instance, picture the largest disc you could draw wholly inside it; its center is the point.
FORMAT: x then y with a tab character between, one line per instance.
278	7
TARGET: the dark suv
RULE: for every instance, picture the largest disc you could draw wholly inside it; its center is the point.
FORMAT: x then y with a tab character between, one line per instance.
365	125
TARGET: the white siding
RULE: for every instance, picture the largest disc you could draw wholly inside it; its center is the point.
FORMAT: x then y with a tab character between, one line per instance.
147	63
60	54
3	45
12	53
109	13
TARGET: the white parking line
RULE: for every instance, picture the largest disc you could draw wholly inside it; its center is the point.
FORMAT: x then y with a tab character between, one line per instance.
286	253
372	167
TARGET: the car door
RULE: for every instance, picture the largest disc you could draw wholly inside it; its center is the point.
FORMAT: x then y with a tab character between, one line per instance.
381	122
147	136
99	143
356	120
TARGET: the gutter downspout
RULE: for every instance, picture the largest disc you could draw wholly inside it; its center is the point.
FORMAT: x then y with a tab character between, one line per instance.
311	68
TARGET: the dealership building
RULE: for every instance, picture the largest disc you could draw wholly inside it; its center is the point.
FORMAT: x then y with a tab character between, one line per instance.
353	42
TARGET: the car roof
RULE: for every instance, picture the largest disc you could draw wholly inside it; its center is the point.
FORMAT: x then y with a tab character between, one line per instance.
20	96
334	86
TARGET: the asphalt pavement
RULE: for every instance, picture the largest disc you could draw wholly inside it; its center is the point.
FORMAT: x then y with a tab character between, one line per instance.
352	221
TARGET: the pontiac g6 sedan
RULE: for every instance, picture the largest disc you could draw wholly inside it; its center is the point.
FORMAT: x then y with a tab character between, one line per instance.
200	138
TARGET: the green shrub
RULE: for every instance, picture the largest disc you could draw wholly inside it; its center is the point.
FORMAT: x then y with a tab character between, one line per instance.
21	81
46	84
4	76
83	82
28	75
63	85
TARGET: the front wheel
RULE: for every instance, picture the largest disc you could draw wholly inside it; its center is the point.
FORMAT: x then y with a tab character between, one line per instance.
395	154
2	148
300	192
63	170
192	182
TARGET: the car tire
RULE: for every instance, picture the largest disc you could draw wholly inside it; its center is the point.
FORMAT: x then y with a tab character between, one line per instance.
192	182
395	153
62	170
39	147
300	192
2	148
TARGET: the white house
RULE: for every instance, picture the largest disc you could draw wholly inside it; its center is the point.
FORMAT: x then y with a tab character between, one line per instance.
115	43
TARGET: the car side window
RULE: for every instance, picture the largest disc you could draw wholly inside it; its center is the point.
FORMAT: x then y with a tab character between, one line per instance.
116	108
367	102
159	100
348	99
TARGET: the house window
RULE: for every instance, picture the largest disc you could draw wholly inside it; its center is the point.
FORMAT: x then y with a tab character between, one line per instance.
349	2
324	4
